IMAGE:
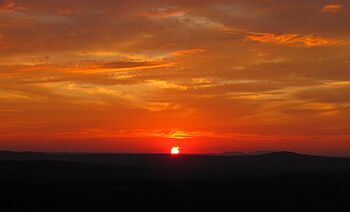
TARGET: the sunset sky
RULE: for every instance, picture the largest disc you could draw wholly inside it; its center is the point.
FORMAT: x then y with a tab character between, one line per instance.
207	75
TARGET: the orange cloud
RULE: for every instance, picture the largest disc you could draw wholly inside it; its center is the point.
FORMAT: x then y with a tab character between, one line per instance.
187	52
331	8
291	39
178	135
7	5
164	12
121	66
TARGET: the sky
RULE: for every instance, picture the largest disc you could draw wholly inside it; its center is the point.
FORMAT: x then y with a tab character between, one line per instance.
142	76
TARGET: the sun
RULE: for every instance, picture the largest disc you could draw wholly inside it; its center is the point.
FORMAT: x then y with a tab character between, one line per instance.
175	150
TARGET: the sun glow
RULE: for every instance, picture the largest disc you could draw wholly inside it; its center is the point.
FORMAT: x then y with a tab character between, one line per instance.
175	150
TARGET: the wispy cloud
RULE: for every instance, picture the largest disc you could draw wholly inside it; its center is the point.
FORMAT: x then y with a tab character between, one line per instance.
331	8
7	5
292	39
186	52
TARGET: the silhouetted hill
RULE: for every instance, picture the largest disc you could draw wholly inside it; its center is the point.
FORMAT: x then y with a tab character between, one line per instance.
246	153
166	166
154	182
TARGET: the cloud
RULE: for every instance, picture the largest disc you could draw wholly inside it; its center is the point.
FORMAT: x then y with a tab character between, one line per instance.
129	65
186	52
164	12
7	5
167	85
292	39
331	8
336	92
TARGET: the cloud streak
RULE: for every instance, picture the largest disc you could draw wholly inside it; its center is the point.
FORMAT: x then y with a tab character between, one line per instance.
331	8
292	39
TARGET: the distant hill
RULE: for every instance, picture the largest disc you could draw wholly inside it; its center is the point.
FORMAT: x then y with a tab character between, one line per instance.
247	153
172	167
278	181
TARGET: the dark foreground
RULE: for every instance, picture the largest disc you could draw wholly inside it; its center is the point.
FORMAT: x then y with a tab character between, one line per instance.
111	182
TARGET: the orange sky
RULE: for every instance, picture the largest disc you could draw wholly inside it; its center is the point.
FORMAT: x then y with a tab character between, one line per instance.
142	76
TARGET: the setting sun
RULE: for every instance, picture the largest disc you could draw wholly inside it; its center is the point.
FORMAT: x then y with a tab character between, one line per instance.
175	150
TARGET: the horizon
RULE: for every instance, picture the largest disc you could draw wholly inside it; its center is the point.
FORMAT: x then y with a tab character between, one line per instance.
218	154
207	76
